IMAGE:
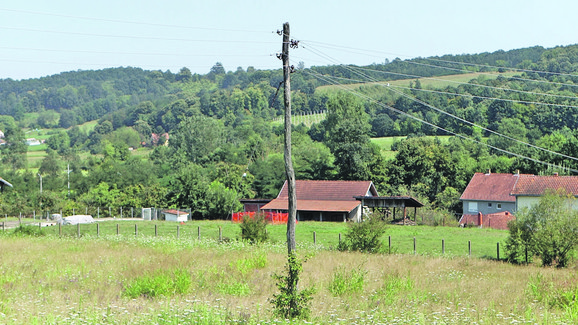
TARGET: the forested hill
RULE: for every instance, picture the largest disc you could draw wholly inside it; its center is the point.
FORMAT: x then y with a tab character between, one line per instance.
81	96
514	110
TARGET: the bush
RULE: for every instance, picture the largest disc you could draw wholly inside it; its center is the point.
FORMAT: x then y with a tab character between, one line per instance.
160	284
254	229
547	230
364	236
345	282
292	303
32	231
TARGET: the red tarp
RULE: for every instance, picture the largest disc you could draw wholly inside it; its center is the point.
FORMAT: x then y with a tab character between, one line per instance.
271	217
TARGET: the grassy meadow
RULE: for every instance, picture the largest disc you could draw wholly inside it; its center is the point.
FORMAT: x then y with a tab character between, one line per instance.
143	279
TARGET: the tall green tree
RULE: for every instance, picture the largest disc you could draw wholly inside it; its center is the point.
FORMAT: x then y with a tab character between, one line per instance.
347	128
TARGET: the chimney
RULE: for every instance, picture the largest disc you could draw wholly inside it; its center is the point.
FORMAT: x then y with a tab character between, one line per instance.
555	174
480	220
517	172
489	171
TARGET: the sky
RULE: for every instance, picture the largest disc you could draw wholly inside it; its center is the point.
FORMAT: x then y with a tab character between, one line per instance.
40	38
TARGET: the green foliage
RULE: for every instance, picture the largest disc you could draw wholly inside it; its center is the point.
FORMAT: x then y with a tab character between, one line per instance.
29	231
290	302
347	282
254	229
364	236
163	283
548	230
392	286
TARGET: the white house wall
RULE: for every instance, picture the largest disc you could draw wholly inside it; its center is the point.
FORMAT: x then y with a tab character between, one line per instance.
526	202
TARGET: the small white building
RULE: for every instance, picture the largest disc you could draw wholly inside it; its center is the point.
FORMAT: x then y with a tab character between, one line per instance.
176	215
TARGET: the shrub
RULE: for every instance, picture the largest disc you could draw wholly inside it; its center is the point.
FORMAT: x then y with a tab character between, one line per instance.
345	282
548	230
364	236
160	284
254	229
292	303
32	231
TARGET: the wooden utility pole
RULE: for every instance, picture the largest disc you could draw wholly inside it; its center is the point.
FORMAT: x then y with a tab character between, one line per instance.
290	173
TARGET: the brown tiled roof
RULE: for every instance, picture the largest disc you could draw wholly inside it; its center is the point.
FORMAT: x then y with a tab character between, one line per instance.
491	187
493	220
532	185
330	196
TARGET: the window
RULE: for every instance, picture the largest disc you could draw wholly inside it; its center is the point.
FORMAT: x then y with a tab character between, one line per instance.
499	206
473	207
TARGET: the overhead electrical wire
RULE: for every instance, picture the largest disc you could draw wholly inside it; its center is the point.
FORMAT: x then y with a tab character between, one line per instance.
491	74
450	132
349	48
320	77
237	41
132	22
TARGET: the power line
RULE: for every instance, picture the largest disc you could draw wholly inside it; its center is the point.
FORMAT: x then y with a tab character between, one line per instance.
484	73
236	41
128	53
473	124
411	58
433	125
438	127
132	22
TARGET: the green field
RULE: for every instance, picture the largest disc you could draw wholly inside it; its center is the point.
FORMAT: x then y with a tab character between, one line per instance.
430	83
326	235
143	279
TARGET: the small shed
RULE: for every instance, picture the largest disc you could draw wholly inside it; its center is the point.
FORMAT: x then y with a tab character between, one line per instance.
253	205
176	215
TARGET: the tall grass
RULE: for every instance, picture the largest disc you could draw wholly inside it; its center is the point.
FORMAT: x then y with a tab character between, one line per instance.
51	280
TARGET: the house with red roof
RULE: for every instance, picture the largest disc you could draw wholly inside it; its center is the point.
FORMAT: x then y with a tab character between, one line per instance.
530	188
489	193
489	196
324	200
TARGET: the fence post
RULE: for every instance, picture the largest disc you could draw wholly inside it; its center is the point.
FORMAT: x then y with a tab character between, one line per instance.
470	247
117	229
178	230
39	224
156	232
78	230
86	210
220	233
98	230
443	246
34	213
135	230
131	212
60	229
314	237
389	242
414	250
4	226
98	212
121	212
498	250
340	238
199	232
